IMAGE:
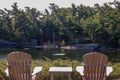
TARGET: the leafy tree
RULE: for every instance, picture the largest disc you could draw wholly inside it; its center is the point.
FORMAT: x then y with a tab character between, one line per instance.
98	24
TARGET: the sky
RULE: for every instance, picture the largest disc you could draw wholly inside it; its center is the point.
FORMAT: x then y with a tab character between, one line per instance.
44	4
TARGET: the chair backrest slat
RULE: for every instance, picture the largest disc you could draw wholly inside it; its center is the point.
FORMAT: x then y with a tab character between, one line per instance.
19	66
95	66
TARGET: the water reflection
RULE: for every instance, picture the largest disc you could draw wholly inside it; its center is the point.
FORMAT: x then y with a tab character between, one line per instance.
69	54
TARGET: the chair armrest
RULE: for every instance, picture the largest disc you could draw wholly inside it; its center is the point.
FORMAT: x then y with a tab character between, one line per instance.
80	69
6	71
36	70
109	70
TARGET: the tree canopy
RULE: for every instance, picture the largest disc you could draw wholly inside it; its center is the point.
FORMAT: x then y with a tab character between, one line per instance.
75	24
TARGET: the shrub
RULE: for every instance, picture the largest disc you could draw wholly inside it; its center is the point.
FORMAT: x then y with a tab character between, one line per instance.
46	64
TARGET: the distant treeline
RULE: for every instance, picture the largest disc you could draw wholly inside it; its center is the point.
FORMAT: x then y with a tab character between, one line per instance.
76	24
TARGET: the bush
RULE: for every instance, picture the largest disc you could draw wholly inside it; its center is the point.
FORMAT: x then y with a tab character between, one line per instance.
46	64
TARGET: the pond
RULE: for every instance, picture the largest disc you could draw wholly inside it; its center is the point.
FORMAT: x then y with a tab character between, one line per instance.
58	53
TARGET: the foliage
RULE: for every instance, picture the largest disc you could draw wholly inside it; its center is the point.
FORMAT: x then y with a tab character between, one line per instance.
63	42
74	58
98	24
44	75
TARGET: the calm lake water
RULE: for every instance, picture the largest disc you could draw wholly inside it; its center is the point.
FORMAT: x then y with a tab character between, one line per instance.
58	53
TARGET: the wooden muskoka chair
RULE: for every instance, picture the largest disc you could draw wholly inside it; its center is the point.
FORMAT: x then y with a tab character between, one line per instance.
19	64
95	66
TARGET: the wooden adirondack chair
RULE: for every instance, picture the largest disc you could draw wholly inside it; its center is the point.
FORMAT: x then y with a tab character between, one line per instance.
95	65
19	64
